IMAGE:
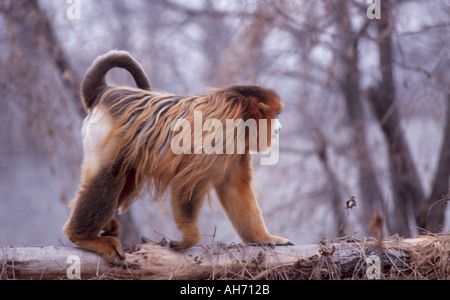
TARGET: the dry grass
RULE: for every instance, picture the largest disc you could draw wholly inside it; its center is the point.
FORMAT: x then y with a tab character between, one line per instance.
421	258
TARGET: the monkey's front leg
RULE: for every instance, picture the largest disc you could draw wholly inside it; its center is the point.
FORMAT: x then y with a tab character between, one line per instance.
240	204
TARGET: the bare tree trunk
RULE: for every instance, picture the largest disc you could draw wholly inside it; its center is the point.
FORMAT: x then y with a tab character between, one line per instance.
407	190
42	36
215	43
347	51
246	56
333	185
38	79
388	259
435	216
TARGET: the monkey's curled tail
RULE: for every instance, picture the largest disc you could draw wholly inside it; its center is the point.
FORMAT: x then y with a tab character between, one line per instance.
94	80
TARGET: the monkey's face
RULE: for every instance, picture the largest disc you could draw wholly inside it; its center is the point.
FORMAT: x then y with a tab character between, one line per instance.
268	132
276	129
273	107
261	107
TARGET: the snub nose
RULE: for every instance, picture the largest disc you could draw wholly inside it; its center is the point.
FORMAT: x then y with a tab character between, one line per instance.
278	128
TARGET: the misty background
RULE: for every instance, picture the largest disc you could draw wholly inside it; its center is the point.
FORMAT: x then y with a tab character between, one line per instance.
367	108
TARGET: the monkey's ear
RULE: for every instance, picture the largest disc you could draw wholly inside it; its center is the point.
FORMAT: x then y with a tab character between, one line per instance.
263	107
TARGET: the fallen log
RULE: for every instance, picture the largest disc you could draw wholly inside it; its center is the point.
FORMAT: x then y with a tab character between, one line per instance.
416	258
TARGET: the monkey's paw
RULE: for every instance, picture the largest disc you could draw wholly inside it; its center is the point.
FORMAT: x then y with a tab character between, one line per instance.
277	241
181	245
111	249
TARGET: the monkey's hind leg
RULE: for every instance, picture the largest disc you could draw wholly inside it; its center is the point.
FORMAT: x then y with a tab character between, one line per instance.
93	212
128	193
186	211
